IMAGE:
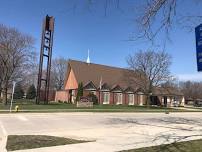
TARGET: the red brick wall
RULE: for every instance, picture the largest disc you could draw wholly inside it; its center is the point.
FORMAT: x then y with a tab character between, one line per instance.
98	96
51	96
101	97
126	99
62	95
136	99
111	100
115	98
85	93
71	81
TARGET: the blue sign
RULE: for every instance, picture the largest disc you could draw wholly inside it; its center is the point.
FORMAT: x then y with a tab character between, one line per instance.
198	33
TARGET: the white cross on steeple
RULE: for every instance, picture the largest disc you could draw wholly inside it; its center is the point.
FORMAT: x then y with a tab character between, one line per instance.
88	59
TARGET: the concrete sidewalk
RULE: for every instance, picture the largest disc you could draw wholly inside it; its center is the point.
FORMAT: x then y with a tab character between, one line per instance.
112	131
188	108
3	138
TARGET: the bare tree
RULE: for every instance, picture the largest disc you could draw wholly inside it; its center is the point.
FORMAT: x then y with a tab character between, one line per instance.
156	18
159	16
191	90
150	11
148	70
1	76
58	71
15	55
31	75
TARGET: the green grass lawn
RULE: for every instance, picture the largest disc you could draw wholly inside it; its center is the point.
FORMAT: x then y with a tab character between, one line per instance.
19	142
30	106
186	146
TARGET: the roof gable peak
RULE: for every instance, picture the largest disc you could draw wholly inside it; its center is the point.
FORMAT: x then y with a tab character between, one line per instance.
116	87
89	86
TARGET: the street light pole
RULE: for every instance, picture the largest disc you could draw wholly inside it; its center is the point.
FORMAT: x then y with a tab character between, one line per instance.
12	96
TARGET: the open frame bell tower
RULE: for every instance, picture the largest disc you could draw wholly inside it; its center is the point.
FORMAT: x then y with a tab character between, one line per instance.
45	60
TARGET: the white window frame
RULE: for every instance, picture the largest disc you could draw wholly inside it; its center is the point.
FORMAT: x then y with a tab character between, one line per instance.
105	98
73	98
119	98
131	99
73	92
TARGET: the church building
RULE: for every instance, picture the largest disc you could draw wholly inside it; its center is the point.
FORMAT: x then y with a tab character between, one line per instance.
110	86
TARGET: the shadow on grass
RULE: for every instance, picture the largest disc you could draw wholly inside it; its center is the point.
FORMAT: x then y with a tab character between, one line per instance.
186	146
19	142
174	125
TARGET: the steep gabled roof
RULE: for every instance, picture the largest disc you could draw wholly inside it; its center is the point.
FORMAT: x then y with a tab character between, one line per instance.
105	86
110	77
129	89
85	73
169	91
116	88
89	85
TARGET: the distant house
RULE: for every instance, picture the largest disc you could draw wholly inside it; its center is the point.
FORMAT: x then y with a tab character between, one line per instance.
110	86
193	102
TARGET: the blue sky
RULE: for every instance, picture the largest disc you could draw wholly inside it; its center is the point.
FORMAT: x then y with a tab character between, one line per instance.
79	28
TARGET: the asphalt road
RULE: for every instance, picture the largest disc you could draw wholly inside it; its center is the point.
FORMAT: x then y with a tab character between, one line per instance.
112	131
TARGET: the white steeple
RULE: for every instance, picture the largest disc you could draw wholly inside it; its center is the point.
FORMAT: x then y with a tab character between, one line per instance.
88	59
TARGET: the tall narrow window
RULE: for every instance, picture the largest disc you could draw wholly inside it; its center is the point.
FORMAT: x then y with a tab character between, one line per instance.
106	97
119	98
131	99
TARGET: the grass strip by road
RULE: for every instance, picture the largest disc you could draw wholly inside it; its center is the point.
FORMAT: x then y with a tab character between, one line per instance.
20	142
185	146
30	106
97	108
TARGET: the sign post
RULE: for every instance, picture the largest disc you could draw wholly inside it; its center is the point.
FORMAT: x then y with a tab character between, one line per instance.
12	96
198	33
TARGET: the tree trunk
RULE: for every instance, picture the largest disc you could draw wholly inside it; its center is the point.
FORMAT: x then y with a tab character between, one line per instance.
0	92
149	93
148	100
5	91
4	96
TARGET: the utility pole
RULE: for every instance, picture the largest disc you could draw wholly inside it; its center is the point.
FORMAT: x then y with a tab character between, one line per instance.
45	60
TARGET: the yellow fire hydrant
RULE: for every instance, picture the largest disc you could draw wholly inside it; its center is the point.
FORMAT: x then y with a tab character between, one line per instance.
16	108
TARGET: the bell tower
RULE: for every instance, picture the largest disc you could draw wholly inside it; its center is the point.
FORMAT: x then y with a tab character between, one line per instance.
45	60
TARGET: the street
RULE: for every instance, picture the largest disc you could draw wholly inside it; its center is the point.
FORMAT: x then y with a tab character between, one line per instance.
112	131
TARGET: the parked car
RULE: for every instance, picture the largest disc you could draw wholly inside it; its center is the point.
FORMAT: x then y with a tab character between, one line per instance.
198	103
176	103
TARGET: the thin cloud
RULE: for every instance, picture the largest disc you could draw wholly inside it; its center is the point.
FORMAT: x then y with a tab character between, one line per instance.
191	77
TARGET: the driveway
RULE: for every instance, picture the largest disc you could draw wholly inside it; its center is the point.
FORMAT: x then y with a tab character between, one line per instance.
112	131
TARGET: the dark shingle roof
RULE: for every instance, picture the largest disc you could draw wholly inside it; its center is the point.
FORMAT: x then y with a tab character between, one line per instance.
169	91
111	76
85	72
